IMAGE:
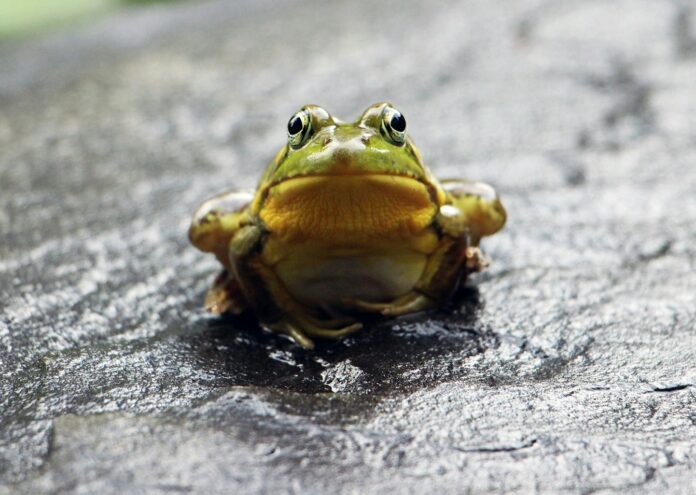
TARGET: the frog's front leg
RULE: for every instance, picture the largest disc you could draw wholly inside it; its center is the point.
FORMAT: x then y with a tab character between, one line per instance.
473	209
275	306
213	225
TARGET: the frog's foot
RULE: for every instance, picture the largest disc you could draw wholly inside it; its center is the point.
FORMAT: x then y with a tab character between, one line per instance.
299	328
225	296
476	260
292	330
411	302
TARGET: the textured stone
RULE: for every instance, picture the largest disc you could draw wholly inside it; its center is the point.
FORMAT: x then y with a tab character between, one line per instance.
570	365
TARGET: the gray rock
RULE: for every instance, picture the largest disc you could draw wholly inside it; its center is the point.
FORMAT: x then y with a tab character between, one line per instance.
569	366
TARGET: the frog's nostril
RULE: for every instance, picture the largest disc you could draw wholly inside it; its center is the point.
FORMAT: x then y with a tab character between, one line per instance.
327	141
365	138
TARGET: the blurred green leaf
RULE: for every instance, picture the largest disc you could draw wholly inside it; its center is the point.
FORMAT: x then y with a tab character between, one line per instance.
19	18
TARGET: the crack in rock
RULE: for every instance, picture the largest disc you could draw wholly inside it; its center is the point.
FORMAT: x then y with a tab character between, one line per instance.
498	448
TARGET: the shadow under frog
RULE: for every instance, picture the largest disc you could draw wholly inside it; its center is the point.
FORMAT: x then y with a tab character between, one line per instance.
347	377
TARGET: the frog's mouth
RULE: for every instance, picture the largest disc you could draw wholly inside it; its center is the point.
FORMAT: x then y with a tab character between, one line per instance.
348	206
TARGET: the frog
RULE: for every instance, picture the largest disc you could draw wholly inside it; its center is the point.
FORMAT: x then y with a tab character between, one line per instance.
346	223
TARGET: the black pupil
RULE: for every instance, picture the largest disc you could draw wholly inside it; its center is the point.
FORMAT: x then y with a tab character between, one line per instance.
294	125
398	122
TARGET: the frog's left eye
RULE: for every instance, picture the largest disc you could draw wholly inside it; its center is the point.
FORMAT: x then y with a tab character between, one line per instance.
394	126
299	129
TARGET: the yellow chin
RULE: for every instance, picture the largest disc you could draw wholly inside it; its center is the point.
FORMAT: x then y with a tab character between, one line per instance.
348	208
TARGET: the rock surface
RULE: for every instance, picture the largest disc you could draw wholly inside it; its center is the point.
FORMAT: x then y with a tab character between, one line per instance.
570	365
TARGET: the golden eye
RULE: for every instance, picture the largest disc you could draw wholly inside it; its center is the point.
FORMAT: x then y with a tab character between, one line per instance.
394	126
299	129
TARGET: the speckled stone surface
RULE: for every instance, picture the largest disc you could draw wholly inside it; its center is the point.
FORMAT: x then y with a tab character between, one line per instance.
569	366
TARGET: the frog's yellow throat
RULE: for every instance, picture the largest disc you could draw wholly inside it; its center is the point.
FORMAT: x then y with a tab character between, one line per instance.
348	208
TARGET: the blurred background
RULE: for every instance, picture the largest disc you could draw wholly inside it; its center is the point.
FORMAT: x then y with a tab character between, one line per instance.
25	18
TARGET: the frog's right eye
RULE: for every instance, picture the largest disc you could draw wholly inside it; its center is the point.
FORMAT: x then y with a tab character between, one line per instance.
393	125
299	129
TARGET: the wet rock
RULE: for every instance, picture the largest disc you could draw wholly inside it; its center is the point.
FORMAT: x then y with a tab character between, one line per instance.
570	365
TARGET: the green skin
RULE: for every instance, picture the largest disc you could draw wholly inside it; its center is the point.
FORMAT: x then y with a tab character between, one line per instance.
231	226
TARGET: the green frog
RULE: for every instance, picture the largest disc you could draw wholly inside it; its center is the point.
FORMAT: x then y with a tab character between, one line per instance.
346	220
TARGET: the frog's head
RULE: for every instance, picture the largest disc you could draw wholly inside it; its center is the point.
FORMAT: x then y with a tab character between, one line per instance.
329	165
319	144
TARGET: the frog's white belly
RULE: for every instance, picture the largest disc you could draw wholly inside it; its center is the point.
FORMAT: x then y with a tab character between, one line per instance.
326	280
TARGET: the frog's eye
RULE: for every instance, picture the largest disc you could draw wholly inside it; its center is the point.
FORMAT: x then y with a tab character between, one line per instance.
299	129
394	126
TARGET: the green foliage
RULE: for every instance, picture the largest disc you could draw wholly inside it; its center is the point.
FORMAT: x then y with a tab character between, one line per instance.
21	18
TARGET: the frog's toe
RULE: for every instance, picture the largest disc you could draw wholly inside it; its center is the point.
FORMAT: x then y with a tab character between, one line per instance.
365	306
299	337
413	304
332	333
293	331
335	322
408	303
476	260
225	296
